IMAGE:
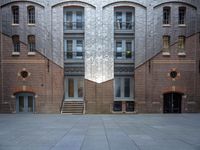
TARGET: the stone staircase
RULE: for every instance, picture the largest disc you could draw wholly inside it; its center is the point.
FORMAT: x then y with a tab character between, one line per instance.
72	107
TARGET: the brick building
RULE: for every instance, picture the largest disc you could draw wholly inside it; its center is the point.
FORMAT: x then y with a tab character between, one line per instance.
100	56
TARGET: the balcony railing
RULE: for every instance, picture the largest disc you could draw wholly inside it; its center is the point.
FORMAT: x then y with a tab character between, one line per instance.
73	26
127	55
73	55
124	25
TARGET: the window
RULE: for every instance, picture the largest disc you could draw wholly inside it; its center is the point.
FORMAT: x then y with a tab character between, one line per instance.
123	87
130	106
182	12
74	87
73	19
117	106
124	49
181	42
31	14
166	42
15	14
73	49
166	15
31	43
16	43
124	18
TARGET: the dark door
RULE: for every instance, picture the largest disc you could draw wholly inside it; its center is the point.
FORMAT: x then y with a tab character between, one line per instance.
172	103
25	103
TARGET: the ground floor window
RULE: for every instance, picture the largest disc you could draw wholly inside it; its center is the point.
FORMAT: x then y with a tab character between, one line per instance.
117	106
73	87
130	106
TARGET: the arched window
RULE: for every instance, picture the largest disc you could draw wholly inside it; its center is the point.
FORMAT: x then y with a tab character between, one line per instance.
16	43
31	43
166	15
31	14
15	14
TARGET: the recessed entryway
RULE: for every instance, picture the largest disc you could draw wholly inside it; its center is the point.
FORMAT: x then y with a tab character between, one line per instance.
25	103
172	102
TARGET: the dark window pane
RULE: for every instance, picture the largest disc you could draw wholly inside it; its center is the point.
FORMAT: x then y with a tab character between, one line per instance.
117	87
166	15
70	87
127	87
130	106
69	49
182	15
129	16
21	103
117	106
128	50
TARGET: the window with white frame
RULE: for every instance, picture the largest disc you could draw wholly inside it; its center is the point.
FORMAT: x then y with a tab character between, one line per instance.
31	14
73	18
16	43
166	42
31	43
182	13
181	42
124	18
123	88
74	87
166	15
15	14
73	48
124	49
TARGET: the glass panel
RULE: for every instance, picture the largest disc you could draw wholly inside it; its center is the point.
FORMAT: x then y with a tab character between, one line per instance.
30	103
129	106
181	15
80	88
129	16
128	49
79	19
181	42
127	87
70	87
118	49
118	20
166	16
21	104
117	87
117	106
69	48
166	42
69	23
79	48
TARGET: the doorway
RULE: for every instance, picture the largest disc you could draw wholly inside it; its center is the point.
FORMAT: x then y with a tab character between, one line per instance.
25	103
172	103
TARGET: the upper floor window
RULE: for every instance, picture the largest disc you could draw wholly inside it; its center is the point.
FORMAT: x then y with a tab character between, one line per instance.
166	15
73	49
73	19
31	14
181	42
124	49
182	13
15	14
123	87
166	42
74	87
31	43
16	43
124	18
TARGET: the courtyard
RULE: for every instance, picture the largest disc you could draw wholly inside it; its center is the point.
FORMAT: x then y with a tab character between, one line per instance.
100	132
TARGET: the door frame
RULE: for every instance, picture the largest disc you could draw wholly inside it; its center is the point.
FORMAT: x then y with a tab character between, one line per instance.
25	95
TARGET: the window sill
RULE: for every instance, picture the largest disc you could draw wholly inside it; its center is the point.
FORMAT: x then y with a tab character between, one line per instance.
73	99
182	25
13	24
31	53
166	53
15	53
124	99
182	54
166	25
29	24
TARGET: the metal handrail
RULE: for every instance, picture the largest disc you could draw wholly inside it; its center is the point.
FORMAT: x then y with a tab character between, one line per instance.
124	25
61	105
73	25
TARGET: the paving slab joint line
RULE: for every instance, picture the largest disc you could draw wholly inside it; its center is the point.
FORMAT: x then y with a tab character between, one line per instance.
106	134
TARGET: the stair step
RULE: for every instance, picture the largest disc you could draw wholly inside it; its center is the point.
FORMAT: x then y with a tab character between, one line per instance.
71	107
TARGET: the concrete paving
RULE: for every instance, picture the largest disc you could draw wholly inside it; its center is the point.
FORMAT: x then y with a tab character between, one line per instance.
100	132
